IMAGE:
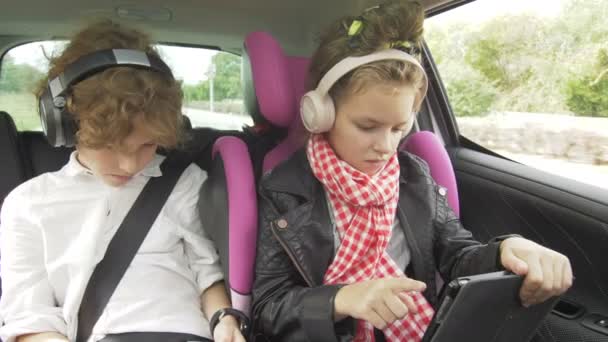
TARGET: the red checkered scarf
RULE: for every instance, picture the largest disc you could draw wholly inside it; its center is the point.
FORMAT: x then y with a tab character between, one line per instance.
364	210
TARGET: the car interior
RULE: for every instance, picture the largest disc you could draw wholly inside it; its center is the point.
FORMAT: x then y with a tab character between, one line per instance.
492	194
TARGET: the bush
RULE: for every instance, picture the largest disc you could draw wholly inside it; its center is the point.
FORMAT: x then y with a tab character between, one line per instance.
18	78
471	97
588	95
587	99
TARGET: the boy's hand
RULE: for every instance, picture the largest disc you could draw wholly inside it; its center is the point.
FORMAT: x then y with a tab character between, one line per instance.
227	330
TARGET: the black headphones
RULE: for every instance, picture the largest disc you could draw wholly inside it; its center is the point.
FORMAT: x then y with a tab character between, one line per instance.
58	124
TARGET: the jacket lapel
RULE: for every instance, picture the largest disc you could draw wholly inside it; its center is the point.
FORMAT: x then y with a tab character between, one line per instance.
305	234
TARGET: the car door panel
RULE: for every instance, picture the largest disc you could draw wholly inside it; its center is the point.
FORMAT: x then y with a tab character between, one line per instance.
499	196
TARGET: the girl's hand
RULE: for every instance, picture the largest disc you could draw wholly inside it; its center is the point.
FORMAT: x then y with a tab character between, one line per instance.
547	273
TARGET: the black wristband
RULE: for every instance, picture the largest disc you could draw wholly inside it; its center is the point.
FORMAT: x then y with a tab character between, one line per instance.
499	240
242	319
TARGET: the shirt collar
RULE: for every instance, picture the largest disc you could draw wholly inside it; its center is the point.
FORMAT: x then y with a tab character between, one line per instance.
74	167
153	167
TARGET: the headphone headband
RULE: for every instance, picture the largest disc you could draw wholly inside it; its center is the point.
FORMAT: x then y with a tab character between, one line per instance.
58	125
98	61
317	107
350	63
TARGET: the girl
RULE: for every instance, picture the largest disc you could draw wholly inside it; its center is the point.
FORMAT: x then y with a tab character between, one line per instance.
352	231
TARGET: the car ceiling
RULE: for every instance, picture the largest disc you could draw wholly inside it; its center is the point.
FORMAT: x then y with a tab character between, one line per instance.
218	23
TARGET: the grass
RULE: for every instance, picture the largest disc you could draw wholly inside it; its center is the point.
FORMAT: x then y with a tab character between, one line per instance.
22	108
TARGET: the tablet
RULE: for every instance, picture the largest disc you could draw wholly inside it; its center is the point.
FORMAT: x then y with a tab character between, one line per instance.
484	308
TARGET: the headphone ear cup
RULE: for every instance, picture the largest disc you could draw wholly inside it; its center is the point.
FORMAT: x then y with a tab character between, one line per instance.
317	111
49	115
309	107
69	128
58	125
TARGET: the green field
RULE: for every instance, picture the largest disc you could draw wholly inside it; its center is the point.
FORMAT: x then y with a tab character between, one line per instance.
22	108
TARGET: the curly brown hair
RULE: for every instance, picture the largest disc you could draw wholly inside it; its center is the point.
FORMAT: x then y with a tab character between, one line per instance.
105	103
392	21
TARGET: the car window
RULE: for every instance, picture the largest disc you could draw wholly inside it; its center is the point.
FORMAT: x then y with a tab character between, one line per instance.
529	80
213	95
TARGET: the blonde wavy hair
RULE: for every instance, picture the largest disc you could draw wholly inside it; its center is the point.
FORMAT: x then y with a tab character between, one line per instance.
105	104
390	22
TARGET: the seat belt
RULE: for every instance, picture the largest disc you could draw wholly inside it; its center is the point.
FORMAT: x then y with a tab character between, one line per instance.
124	245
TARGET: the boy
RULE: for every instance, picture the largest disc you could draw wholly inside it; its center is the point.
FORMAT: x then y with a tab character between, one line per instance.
57	226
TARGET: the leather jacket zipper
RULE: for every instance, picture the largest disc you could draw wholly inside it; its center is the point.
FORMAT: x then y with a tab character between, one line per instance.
290	254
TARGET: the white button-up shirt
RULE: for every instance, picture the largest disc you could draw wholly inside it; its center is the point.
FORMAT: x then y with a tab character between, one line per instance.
56	227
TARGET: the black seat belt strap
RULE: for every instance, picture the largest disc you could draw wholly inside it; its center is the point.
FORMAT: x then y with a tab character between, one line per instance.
124	245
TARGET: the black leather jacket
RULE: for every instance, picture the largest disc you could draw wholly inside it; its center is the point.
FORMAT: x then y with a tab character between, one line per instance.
296	246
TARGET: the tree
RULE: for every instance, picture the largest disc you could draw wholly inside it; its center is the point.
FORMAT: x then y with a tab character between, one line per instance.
470	93
525	62
471	97
227	81
587	94
503	50
18	77
197	92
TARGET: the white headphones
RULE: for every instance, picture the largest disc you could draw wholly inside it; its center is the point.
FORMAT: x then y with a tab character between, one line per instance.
317	107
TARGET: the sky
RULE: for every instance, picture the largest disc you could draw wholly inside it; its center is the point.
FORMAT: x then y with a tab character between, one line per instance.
488	8
190	64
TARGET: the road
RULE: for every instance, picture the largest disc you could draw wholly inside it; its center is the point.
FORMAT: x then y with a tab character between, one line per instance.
224	121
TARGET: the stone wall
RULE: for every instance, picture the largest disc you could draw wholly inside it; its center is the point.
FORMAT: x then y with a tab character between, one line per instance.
578	139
